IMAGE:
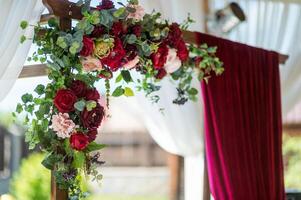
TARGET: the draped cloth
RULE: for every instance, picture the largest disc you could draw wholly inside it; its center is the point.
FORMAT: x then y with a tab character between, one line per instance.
12	53
243	126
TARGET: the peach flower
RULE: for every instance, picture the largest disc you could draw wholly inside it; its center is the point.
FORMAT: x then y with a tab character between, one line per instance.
138	14
132	63
91	64
173	63
62	125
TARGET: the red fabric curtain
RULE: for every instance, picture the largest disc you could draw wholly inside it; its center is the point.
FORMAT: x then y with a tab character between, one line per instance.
243	126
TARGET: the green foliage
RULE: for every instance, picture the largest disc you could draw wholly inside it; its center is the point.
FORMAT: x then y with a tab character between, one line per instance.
60	51
32	180
292	158
23	24
93	146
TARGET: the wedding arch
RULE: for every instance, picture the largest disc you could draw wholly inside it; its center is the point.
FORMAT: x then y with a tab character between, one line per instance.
104	41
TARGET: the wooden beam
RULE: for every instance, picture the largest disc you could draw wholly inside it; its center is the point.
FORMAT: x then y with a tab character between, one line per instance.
66	9
175	164
33	71
56	193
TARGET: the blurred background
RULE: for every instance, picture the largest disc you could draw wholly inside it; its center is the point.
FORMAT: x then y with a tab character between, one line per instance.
136	167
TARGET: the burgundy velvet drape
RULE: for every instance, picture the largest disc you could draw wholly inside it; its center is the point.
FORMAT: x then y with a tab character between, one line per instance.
243	126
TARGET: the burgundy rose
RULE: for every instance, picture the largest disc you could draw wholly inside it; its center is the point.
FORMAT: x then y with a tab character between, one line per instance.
159	58
97	31
79	141
79	88
64	100
92	94
137	30
92	134
131	52
182	51
174	34
114	59
161	73
118	28
105	5
88	46
92	119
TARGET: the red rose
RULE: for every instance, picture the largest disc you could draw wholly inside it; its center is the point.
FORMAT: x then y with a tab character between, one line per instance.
88	46
92	134
92	94
79	88
114	59
64	100
97	31
131	51
182	51
159	58
137	30
79	141
105	5
174	34
161	74
118	29
92	119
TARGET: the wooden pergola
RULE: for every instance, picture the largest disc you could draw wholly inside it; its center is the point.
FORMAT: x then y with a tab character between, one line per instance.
67	11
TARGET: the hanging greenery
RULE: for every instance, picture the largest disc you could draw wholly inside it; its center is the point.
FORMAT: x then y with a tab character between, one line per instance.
107	45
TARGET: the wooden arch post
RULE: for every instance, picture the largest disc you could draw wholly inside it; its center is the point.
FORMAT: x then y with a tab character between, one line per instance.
65	11
65	24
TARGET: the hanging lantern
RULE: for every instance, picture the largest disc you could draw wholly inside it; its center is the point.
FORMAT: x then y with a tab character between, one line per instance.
226	19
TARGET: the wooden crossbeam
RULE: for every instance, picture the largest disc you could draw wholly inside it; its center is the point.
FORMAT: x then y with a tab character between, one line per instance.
66	9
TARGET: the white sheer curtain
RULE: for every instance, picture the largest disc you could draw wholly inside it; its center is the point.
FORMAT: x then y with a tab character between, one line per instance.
12	53
179	129
275	25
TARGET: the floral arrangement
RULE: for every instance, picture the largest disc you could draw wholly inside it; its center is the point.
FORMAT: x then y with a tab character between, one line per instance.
108	44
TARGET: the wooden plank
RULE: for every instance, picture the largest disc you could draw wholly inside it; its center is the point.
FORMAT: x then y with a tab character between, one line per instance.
56	193
175	167
33	71
66	9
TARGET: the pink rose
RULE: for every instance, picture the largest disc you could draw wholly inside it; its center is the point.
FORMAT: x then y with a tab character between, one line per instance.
62	125
132	63
173	62
91	64
138	14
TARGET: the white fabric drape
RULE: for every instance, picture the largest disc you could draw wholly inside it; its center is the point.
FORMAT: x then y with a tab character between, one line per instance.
275	25
12	53
179	129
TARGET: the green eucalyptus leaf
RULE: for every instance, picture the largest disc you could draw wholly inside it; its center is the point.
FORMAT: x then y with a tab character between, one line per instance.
118	78
131	39
90	105
126	75
93	146
119	12
118	92
128	92
80	105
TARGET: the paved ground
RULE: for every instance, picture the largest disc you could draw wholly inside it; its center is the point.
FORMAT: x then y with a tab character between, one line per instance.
133	181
